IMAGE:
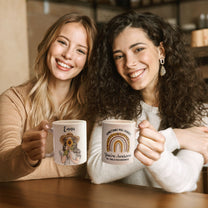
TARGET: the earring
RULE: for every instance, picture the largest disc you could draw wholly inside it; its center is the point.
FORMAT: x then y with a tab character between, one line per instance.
162	69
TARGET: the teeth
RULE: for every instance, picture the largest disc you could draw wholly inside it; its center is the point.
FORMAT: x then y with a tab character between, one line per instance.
64	65
136	74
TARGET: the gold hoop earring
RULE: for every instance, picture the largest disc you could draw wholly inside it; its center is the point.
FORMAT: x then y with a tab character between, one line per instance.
162	69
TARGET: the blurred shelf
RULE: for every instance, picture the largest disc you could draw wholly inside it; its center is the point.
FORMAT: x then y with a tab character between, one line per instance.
72	2
201	55
122	4
200	52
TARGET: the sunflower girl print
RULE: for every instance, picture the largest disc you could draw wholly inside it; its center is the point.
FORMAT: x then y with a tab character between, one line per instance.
70	153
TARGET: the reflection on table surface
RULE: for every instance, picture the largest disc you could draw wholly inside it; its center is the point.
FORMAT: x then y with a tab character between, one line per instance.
77	193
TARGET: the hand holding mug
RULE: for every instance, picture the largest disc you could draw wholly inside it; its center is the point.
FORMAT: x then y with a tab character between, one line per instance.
150	144
34	140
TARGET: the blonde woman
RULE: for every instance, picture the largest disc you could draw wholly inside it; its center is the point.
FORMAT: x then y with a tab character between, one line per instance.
56	92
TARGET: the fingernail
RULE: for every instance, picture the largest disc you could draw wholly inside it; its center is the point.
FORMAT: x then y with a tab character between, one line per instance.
141	125
48	126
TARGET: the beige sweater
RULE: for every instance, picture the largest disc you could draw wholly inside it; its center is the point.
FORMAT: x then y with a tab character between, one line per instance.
14	121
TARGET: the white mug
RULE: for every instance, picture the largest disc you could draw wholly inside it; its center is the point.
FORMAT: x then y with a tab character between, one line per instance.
118	141
69	142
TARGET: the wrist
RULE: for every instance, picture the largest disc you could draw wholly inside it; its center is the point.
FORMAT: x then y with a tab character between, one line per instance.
179	136
32	163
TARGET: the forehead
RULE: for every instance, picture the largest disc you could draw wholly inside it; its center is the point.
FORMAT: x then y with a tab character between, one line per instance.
72	27
74	32
130	35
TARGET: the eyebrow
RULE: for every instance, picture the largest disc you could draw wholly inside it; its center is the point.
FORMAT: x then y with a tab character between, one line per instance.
70	41
131	46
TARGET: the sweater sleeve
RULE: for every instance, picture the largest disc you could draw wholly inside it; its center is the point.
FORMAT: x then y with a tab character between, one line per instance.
173	173
171	141
13	162
177	173
101	172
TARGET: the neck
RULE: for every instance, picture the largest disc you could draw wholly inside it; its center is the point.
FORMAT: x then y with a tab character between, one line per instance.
150	98
59	90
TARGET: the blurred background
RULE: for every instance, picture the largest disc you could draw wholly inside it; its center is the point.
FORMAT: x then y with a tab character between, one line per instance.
24	22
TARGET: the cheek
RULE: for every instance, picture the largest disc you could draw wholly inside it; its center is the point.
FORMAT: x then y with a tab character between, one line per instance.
55	50
48	60
154	59
152	62
155	64
145	57
50	55
81	61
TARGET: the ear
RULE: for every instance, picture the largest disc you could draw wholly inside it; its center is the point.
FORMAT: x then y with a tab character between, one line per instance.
161	51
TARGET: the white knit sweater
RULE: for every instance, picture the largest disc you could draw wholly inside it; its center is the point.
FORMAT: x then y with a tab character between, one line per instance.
174	173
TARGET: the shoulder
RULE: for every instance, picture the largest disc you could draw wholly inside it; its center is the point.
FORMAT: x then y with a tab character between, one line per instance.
18	92
16	97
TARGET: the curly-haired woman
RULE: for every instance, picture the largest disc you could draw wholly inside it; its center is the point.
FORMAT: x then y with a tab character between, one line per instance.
56	92
142	70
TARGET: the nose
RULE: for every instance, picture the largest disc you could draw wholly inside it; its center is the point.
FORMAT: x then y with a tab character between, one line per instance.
130	60
67	53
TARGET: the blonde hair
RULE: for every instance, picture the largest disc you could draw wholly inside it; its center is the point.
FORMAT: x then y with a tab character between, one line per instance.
40	98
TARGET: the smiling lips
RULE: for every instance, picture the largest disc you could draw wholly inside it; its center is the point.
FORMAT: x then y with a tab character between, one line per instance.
136	74
63	65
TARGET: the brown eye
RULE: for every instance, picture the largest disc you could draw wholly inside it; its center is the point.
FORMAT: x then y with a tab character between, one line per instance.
117	57
139	49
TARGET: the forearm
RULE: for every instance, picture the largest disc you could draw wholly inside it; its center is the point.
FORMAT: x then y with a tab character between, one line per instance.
171	141
101	172
177	173
14	164
194	139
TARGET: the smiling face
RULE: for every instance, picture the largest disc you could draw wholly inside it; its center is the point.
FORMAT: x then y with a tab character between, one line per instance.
137	59
67	55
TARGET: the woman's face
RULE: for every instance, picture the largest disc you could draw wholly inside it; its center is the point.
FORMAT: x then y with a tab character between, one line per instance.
68	53
137	59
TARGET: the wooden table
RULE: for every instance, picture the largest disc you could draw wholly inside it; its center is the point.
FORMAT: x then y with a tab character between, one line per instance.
80	193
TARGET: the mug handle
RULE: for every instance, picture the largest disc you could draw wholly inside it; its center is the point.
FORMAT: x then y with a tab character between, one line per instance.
137	130
49	154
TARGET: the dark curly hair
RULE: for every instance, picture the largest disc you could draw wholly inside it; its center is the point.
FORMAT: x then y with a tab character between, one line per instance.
181	92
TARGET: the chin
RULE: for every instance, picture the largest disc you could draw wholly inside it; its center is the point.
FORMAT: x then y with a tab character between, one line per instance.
134	87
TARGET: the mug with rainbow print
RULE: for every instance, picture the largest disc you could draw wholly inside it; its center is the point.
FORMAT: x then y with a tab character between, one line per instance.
118	141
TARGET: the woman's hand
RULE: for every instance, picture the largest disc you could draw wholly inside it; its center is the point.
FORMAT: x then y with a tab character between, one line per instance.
151	144
195	139
34	140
